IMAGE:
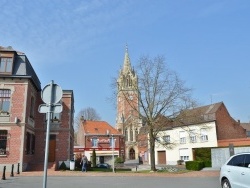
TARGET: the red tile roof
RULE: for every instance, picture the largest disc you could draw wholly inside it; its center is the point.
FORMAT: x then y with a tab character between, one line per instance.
98	128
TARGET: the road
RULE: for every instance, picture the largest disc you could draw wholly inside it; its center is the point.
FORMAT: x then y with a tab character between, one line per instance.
111	182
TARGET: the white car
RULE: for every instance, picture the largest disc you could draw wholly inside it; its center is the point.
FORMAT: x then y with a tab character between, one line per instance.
235	173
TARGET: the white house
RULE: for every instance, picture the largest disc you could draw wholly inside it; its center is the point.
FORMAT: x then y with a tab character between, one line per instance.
202	127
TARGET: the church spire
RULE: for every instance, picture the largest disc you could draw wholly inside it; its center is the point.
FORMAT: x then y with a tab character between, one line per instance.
126	64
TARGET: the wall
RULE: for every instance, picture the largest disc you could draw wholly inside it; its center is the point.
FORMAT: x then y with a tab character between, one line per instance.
172	154
221	155
227	127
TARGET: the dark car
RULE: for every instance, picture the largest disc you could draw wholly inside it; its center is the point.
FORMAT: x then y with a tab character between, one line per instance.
103	165
235	173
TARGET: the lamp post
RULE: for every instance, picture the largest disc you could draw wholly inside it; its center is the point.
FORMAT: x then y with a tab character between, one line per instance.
113	157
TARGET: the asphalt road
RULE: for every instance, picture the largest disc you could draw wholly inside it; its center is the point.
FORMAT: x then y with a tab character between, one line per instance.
111	182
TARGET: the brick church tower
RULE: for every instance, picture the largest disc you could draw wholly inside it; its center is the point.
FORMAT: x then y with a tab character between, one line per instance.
127	120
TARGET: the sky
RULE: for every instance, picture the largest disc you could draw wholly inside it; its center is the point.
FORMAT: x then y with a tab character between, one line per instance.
80	45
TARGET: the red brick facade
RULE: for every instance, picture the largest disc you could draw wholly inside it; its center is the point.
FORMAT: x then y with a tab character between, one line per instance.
24	142
103	133
227	127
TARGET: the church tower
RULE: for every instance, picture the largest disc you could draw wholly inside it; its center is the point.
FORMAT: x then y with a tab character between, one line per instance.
127	120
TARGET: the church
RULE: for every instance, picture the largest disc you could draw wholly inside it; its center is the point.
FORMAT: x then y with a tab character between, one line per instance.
128	121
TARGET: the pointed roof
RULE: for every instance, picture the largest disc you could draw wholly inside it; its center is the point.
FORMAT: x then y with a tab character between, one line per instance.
126	64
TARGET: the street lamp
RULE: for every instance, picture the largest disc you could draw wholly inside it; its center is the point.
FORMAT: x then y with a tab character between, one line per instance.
113	157
112	145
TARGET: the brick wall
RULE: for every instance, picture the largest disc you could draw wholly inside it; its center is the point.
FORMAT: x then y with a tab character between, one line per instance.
227	127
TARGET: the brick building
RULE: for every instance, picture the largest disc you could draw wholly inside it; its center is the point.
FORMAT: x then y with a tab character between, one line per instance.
98	136
128	121
22	127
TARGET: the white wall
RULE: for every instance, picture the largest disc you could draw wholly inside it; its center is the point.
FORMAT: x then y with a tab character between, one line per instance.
173	154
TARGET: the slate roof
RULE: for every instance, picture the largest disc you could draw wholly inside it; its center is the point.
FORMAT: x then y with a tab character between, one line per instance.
22	67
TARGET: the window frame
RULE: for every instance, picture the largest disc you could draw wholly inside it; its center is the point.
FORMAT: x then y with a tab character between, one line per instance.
94	142
5	96
204	135
4	65
3	142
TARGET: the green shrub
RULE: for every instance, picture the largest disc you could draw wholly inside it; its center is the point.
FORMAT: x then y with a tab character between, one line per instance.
63	166
118	160
194	165
207	163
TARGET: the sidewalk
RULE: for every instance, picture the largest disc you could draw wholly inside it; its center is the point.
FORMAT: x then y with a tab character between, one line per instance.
204	173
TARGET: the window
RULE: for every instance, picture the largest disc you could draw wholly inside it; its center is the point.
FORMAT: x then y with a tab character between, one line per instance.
56	116
94	142
131	134
238	160
3	141
32	106
182	137
192	136
136	133
166	139
247	160
126	134
112	142
204	136
6	65
4	100
30	144
184	155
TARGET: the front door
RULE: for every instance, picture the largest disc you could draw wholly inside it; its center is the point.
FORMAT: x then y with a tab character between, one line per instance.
52	148
161	157
131	154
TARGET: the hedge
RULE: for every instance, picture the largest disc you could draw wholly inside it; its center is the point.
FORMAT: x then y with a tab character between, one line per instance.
194	165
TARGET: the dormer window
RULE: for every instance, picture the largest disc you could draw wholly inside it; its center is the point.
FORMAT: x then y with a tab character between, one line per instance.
6	64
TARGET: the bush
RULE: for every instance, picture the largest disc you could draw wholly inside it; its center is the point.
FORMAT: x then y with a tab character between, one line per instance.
194	165
118	160
207	163
63	166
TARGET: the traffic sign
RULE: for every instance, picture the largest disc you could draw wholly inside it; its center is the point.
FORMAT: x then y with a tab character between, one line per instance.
57	108
52	93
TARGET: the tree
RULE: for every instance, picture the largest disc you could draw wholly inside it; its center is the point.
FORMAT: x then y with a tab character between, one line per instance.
161	94
87	114
94	158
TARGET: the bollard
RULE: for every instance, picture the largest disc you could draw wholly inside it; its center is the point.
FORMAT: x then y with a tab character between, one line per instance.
12	168
3	177
136	168
18	172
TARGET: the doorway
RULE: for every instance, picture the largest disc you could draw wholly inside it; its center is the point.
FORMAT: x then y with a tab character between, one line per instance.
52	148
131	154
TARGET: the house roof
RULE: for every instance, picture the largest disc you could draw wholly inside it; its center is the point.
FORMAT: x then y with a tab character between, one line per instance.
246	126
99	128
22	68
198	115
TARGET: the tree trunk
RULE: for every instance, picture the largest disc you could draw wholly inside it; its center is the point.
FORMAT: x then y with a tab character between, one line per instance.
152	150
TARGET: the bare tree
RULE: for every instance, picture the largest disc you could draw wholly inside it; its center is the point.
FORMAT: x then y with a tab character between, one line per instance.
161	94
88	114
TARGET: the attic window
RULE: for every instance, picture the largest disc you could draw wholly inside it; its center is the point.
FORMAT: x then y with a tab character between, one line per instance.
96	129
6	65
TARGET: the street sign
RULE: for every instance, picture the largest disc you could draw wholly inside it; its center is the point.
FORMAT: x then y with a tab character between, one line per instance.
56	108
52	93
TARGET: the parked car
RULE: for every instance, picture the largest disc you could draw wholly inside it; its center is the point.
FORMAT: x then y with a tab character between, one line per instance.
103	165
235	173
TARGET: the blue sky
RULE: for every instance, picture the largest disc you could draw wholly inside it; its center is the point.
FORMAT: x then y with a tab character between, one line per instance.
80	44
